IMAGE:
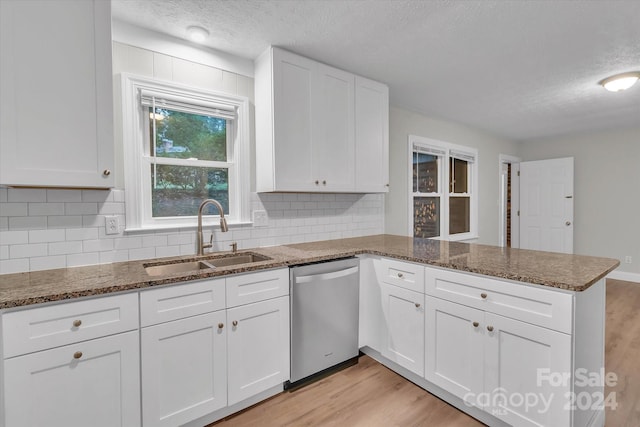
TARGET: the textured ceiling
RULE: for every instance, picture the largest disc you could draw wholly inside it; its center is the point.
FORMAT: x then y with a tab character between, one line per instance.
519	69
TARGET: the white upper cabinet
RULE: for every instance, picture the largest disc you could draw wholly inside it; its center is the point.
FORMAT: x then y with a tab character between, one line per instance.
372	136
56	121
307	127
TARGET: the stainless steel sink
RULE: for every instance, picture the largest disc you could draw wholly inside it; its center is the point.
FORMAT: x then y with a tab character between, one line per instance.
176	267
204	264
242	258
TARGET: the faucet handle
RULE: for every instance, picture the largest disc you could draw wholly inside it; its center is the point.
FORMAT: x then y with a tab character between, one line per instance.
234	247
211	240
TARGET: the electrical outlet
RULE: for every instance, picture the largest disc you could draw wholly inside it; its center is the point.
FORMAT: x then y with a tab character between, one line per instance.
628	259
260	219
112	224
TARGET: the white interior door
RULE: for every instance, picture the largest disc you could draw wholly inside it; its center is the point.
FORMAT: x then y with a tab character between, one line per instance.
546	205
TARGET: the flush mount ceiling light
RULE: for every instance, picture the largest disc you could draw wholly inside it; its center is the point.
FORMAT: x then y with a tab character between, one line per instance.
620	81
197	34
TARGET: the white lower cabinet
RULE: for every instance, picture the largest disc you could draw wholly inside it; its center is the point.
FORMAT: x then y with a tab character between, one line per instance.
258	347
404	318
91	383
184	369
497	363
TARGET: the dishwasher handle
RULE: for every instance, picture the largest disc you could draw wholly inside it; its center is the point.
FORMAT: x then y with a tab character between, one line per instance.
327	276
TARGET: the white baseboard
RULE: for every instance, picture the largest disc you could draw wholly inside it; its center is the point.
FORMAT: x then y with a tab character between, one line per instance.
623	275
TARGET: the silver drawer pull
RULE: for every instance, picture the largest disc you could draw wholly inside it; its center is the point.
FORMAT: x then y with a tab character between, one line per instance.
235	323
220	325
483	295
476	324
417	305
490	328
400	275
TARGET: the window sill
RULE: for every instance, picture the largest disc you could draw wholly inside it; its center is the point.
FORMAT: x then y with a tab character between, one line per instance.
176	227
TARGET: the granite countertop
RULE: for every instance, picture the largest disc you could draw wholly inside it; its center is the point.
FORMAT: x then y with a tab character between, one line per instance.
563	271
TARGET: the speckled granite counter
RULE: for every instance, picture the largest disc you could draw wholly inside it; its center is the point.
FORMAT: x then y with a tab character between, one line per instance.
570	272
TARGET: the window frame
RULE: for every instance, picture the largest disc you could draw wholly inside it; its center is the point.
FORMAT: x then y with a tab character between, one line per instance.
444	186
137	178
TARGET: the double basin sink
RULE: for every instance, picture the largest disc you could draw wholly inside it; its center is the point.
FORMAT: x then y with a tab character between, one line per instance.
204	264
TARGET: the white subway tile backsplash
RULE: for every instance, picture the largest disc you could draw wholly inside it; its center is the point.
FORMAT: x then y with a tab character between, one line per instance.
40	236
98	196
63	248
47	262
27	223
13	237
65	221
26	195
28	250
14	209
84	208
64	196
77	235
77	260
14	266
81	234
46	209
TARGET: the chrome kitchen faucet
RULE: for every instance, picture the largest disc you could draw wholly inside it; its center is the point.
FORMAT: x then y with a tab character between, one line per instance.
223	224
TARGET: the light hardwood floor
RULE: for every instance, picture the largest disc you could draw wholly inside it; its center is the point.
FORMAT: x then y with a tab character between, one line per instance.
370	395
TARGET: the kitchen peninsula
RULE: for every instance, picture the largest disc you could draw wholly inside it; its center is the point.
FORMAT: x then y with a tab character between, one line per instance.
475	325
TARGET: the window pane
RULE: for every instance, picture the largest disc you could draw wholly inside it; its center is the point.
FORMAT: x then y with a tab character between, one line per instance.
426	216
459	215
425	173
184	135
458	170
179	190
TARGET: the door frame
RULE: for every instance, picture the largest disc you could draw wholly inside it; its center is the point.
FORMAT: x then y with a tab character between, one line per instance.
502	201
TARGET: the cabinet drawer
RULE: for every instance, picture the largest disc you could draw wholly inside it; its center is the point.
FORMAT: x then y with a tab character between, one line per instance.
254	287
177	302
403	274
56	325
547	308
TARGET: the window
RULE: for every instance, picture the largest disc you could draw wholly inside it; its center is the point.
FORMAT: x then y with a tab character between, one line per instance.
181	146
443	202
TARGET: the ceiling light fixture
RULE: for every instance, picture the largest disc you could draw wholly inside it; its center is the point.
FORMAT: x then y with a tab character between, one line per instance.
197	34
620	81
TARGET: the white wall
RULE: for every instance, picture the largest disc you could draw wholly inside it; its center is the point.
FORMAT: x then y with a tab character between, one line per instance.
44	229
403	123
607	191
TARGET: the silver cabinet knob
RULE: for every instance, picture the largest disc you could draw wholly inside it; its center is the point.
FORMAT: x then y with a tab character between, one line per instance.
220	325
106	172
483	295
476	324
324	182
400	275
317	182
234	323
490	328
417	305
568	223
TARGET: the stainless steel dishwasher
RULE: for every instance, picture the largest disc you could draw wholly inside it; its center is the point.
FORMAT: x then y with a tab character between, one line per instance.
324	318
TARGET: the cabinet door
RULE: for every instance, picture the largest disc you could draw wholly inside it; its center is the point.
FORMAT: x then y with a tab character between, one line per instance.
404	316
92	383
333	136
453	348
56	126
258	339
184	369
372	136
293	80
518	359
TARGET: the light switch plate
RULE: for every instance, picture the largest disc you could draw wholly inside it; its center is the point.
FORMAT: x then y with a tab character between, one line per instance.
112	224
260	219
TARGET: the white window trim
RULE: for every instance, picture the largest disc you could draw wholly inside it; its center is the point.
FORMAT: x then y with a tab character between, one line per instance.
133	133
443	186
